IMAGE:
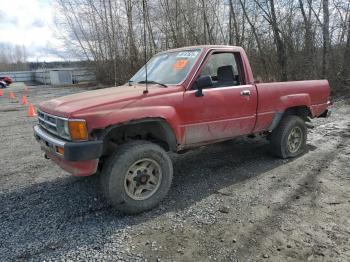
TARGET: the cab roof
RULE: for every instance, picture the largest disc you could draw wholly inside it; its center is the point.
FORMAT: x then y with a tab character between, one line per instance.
205	48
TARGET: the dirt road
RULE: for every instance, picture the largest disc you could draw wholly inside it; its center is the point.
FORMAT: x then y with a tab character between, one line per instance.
232	201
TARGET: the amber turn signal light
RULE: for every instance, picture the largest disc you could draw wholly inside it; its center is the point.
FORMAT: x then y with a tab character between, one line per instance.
60	150
78	130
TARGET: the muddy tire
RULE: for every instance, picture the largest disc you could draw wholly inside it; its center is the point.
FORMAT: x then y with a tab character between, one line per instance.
137	176
289	137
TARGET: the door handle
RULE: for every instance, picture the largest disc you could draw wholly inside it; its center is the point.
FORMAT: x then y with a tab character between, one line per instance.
245	93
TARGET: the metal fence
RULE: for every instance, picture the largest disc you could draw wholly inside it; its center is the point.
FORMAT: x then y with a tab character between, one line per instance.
43	76
20	76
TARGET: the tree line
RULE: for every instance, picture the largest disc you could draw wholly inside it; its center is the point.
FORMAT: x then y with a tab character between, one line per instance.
12	57
284	39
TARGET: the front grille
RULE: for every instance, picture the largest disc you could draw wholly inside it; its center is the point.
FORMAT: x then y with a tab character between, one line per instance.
48	122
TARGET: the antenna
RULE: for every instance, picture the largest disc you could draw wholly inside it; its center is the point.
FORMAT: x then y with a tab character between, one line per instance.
144	43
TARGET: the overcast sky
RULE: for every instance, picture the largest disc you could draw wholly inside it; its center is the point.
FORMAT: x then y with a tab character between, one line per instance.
29	23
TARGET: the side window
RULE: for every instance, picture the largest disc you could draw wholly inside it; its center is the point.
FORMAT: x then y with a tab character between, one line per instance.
222	68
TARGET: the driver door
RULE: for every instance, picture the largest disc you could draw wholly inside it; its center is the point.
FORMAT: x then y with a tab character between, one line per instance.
226	109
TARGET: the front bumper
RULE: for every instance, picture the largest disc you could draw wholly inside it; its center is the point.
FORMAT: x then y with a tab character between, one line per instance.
79	158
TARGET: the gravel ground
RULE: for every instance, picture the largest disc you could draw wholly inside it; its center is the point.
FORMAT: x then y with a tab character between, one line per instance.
231	201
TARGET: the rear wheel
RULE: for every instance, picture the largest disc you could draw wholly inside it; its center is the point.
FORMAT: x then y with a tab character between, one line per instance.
137	176
289	138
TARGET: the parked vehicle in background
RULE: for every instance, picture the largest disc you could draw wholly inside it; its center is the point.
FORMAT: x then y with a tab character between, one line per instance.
5	81
190	97
3	84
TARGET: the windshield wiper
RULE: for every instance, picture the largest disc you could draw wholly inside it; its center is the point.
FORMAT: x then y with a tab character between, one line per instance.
151	82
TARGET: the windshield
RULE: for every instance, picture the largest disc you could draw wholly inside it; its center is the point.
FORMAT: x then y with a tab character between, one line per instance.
167	68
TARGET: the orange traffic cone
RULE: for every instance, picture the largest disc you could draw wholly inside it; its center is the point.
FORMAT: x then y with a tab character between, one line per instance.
12	95
24	100
31	110
1	93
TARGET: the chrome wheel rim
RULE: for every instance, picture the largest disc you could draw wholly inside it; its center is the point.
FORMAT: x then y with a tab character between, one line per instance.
142	179
295	139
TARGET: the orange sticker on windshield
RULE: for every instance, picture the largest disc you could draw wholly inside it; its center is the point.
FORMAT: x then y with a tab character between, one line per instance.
180	64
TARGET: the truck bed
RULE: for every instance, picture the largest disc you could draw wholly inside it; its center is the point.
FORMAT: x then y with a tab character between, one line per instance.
276	97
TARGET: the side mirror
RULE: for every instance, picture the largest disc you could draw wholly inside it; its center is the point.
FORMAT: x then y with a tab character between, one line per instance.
201	83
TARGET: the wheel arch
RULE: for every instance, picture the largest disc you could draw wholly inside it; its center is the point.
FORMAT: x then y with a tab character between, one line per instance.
303	111
155	129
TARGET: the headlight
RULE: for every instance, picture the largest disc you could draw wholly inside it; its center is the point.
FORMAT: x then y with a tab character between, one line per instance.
73	129
62	128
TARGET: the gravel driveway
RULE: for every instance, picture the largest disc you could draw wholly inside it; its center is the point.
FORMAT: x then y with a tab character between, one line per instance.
231	201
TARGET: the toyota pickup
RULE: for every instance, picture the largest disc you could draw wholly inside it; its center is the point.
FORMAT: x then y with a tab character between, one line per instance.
181	99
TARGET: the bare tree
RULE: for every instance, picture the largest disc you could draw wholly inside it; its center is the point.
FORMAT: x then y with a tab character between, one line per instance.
289	39
326	38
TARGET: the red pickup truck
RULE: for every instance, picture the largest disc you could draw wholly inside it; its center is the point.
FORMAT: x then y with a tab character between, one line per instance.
183	98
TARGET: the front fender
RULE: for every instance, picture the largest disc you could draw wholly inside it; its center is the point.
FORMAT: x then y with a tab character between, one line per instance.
103	120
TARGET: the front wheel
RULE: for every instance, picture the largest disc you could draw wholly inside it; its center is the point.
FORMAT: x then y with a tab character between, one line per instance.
137	176
289	138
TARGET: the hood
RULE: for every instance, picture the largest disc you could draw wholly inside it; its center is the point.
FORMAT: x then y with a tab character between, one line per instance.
118	96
